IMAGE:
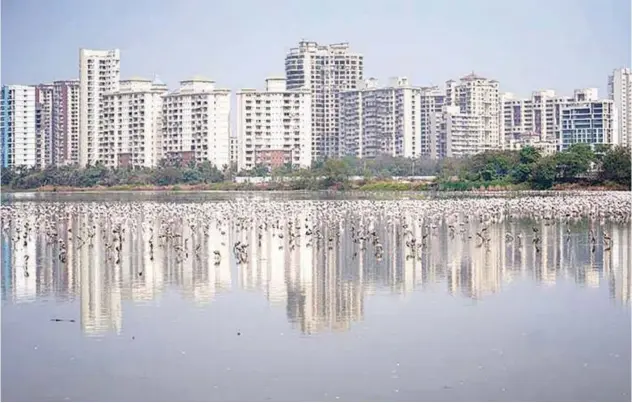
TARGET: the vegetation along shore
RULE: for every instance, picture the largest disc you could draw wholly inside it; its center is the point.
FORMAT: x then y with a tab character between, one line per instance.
579	167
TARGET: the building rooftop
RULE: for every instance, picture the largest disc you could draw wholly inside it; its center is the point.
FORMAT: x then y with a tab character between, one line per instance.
70	80
157	80
472	76
136	78
199	79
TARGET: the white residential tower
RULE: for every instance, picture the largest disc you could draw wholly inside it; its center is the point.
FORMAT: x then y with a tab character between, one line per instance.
196	123
274	126
325	70
44	125
132	124
620	91
99	73
17	121
378	121
66	121
478	97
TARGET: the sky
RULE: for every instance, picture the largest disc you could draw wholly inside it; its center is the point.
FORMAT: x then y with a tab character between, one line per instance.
524	44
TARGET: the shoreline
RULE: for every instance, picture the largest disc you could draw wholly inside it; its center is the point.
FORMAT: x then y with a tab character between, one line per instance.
390	187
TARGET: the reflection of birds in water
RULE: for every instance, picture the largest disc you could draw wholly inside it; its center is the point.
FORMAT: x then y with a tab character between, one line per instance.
607	240
591	236
371	229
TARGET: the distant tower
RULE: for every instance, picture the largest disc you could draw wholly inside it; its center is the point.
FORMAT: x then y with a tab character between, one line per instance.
325	70
620	91
99	73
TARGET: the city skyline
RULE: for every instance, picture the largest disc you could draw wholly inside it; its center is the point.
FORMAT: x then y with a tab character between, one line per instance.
467	46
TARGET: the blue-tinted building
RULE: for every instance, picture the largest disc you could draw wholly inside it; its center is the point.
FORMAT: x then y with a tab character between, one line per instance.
587	119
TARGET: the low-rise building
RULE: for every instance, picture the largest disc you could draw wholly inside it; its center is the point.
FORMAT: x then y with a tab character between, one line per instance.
519	141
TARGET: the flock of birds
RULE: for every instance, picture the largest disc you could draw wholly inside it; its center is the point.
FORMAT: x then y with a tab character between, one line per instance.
185	229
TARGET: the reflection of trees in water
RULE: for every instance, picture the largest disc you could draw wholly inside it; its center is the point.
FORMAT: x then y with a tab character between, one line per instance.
322	282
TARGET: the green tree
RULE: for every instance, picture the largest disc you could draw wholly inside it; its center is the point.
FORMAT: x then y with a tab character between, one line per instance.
616	166
601	150
209	172
260	170
191	176
575	161
543	174
529	155
336	172
166	176
522	172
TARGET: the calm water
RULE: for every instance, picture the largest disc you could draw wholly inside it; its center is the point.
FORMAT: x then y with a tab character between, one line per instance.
301	320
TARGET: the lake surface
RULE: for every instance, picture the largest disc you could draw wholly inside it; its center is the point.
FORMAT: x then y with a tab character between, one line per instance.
232	297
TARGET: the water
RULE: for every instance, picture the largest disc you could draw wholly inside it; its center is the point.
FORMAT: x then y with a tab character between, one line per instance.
317	321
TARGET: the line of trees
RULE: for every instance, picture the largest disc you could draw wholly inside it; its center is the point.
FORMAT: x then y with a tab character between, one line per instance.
165	174
526	168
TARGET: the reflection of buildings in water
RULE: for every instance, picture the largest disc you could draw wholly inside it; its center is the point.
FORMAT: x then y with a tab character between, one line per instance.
268	259
619	264
24	262
321	299
7	265
189	262
545	270
322	285
475	268
488	266
200	276
66	278
591	276
100	288
309	276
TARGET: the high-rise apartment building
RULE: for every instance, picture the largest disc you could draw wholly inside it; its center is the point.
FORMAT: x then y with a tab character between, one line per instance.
478	96
196	123
325	70
620	91
234	150
531	121
588	119
131	124
17	122
380	120
538	115
44	126
432	101
66	121
274	126
99	73
459	133
552	123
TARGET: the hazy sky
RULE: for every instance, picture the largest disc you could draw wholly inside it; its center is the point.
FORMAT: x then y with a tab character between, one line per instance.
525	44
